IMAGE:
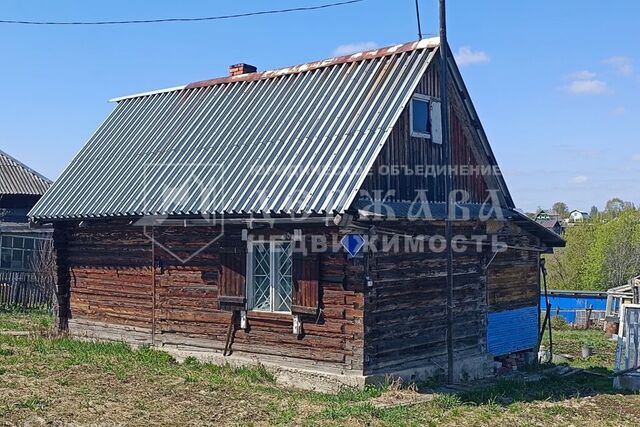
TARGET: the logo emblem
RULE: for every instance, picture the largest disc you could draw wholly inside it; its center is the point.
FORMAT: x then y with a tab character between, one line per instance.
352	243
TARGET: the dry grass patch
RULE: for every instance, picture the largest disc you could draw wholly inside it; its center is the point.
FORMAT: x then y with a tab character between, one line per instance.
60	379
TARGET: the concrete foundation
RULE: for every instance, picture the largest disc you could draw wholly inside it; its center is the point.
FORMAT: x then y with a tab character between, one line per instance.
299	373
469	369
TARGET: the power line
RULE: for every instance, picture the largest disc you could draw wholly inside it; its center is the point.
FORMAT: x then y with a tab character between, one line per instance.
206	18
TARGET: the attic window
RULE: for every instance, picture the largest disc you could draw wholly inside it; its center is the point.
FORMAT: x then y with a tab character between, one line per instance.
420	117
425	118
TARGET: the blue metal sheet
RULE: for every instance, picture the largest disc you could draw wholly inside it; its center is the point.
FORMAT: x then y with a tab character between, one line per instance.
512	330
567	305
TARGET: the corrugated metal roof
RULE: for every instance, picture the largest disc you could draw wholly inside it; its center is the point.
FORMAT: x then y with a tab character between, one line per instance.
17	178
297	140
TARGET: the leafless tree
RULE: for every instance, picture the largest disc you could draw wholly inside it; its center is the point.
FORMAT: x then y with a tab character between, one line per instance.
43	264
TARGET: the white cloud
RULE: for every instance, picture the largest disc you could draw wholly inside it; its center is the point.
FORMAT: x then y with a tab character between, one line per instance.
622	64
584	82
618	111
348	49
580	179
582	75
466	56
636	158
587	87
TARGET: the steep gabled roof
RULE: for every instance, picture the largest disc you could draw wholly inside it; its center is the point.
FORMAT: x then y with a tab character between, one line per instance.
17	178
296	140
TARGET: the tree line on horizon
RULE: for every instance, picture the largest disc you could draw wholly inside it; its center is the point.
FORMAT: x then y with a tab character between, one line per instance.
601	253
562	209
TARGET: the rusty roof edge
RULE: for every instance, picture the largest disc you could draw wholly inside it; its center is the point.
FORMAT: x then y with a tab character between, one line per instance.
426	43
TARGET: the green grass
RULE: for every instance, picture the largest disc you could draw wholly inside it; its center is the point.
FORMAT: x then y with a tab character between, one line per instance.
570	341
25	321
60	379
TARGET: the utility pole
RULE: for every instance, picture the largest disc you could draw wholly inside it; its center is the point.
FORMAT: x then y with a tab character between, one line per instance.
448	183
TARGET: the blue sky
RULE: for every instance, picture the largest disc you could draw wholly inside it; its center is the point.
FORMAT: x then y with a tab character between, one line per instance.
556	83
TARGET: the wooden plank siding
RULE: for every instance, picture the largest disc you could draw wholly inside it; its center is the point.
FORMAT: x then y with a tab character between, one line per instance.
111	290
397	324
403	152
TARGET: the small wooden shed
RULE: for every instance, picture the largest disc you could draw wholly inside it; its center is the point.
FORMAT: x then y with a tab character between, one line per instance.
294	218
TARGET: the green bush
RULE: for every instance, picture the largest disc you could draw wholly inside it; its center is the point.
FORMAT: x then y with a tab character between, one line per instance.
560	323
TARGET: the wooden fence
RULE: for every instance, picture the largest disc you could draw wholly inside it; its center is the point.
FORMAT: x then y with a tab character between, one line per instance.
25	290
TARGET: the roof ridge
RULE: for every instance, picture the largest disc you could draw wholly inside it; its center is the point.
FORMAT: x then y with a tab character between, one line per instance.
424	43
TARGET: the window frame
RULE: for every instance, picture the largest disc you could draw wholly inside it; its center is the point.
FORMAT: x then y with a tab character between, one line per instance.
425	98
35	251
273	284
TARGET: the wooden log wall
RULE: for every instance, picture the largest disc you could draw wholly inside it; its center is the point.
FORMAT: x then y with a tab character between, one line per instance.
399	323
405	311
61	234
111	284
109	267
513	277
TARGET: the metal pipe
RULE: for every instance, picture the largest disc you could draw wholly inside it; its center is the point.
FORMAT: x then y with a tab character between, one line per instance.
230	327
153	287
546	296
418	19
446	145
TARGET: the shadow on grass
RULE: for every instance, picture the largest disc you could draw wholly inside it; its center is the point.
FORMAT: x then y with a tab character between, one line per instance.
553	388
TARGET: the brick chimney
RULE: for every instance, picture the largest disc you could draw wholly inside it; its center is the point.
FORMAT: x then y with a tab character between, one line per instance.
237	69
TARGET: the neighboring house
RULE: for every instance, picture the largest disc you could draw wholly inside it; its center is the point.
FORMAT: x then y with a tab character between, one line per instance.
212	218
552	225
578	216
20	188
548	215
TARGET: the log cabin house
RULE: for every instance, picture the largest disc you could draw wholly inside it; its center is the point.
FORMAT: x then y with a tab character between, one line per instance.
20	188
214	219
